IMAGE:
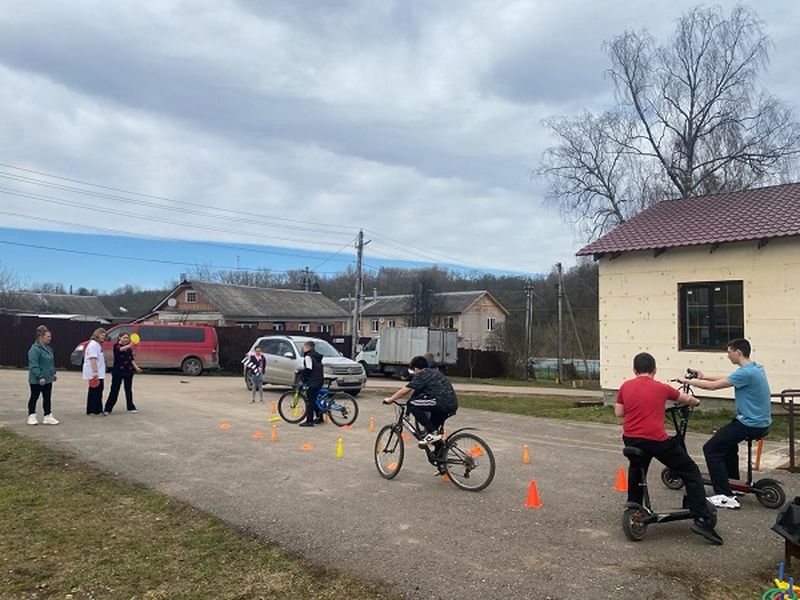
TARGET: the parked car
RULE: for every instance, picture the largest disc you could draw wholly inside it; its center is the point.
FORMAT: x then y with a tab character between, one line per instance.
190	348
284	356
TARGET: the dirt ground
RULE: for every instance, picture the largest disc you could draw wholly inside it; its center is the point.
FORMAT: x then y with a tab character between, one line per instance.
421	536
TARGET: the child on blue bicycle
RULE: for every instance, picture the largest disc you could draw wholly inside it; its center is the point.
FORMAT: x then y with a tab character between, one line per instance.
433	399
313	377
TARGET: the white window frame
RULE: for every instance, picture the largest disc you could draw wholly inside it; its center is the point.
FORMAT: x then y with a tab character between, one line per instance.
326	328
390	323
278	326
375	326
191	297
450	322
304	327
491	323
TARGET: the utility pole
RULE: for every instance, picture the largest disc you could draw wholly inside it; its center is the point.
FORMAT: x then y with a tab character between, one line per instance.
359	291
307	280
528	327
560	294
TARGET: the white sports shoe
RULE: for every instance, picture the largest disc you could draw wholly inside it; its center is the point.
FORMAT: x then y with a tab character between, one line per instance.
32	420
723	501
429	439
50	420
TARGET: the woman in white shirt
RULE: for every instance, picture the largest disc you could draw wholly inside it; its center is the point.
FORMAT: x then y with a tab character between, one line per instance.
94	372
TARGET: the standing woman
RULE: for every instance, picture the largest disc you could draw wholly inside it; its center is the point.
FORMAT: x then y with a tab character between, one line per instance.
41	375
122	373
94	367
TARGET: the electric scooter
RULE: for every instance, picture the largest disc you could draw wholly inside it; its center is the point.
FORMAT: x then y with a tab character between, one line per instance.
638	517
769	492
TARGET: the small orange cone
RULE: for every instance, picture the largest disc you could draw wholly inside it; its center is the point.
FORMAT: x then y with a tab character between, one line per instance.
225	426
273	437
372	424
307	447
258	435
347	426
526	455
445	478
476	451
405	436
622	481
325	418
533	501
274	407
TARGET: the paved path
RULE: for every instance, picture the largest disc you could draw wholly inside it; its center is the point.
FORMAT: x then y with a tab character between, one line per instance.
422	536
379	383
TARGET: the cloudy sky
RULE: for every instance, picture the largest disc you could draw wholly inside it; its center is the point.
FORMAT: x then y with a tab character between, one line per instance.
299	122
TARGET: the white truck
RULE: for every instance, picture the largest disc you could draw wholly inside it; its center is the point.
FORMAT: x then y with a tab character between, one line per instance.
393	350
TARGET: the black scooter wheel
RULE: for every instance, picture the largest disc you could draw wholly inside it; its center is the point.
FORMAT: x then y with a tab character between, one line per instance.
670	479
772	494
633	524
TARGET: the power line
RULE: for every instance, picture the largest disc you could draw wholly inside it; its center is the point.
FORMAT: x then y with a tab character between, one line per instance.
167	239
123	257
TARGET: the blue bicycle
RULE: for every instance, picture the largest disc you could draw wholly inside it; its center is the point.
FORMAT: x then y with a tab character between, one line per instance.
341	407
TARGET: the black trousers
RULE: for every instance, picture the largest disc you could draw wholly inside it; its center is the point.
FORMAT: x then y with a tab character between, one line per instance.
117	380
94	399
672	454
722	453
429	414
45	390
311	404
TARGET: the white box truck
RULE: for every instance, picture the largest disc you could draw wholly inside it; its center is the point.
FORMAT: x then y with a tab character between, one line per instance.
393	350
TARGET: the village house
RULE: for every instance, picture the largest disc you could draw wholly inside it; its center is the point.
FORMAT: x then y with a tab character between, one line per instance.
685	276
54	306
475	315
202	303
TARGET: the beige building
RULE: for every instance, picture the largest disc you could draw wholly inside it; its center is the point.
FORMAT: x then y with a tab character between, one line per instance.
475	315
685	276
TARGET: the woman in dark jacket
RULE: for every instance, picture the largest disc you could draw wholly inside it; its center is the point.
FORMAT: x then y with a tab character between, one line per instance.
122	374
41	375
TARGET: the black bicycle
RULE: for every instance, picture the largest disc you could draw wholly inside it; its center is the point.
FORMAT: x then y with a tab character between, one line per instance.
464	457
341	407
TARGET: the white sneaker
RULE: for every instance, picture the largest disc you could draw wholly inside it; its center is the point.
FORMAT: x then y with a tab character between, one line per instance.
429	439
50	420
32	420
723	501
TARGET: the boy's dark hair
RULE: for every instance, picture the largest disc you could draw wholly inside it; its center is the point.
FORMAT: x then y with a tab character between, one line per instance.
742	345
418	362
309	344
644	363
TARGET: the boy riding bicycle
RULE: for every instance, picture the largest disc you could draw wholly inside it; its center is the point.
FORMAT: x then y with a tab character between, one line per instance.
433	399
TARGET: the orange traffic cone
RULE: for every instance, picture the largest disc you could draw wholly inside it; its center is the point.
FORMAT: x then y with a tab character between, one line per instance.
445	478
258	435
622	481
526	455
273	437
274	407
533	501
372	424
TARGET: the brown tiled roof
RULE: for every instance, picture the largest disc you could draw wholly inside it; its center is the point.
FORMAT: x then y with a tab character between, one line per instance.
758	214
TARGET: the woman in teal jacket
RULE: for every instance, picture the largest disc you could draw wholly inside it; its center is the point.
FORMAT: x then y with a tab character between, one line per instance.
41	375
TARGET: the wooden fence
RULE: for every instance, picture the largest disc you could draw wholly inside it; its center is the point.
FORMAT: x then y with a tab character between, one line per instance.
18	333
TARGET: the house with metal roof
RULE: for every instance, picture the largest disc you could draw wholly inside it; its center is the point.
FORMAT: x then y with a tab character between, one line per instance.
203	303
55	306
685	276
475	315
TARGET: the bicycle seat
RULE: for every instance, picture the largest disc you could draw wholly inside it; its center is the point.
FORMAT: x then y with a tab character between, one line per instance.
630	452
755	438
330	379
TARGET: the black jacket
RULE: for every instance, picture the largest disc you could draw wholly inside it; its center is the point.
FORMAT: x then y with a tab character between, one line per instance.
313	377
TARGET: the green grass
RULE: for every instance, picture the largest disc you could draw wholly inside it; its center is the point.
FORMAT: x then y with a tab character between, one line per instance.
555	407
69	531
587	384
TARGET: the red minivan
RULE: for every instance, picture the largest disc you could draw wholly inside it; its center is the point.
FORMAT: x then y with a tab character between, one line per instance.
190	348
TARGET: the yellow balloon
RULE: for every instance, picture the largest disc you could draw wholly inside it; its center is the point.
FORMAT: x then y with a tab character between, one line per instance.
135	339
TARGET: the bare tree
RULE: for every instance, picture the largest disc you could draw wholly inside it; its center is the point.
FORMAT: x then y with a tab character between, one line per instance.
423	304
690	120
8	284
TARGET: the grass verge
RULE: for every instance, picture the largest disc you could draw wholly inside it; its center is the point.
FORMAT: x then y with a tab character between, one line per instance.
556	407
584	384
72	532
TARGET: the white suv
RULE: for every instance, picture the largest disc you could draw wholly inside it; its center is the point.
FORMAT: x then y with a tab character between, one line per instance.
284	356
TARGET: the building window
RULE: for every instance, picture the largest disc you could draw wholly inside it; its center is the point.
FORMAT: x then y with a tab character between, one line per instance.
711	314
490	323
246	325
450	322
326	328
304	327
191	296
390	323
375	326
279	326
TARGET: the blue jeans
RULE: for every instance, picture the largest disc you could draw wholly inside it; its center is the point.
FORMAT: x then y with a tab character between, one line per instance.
722	453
